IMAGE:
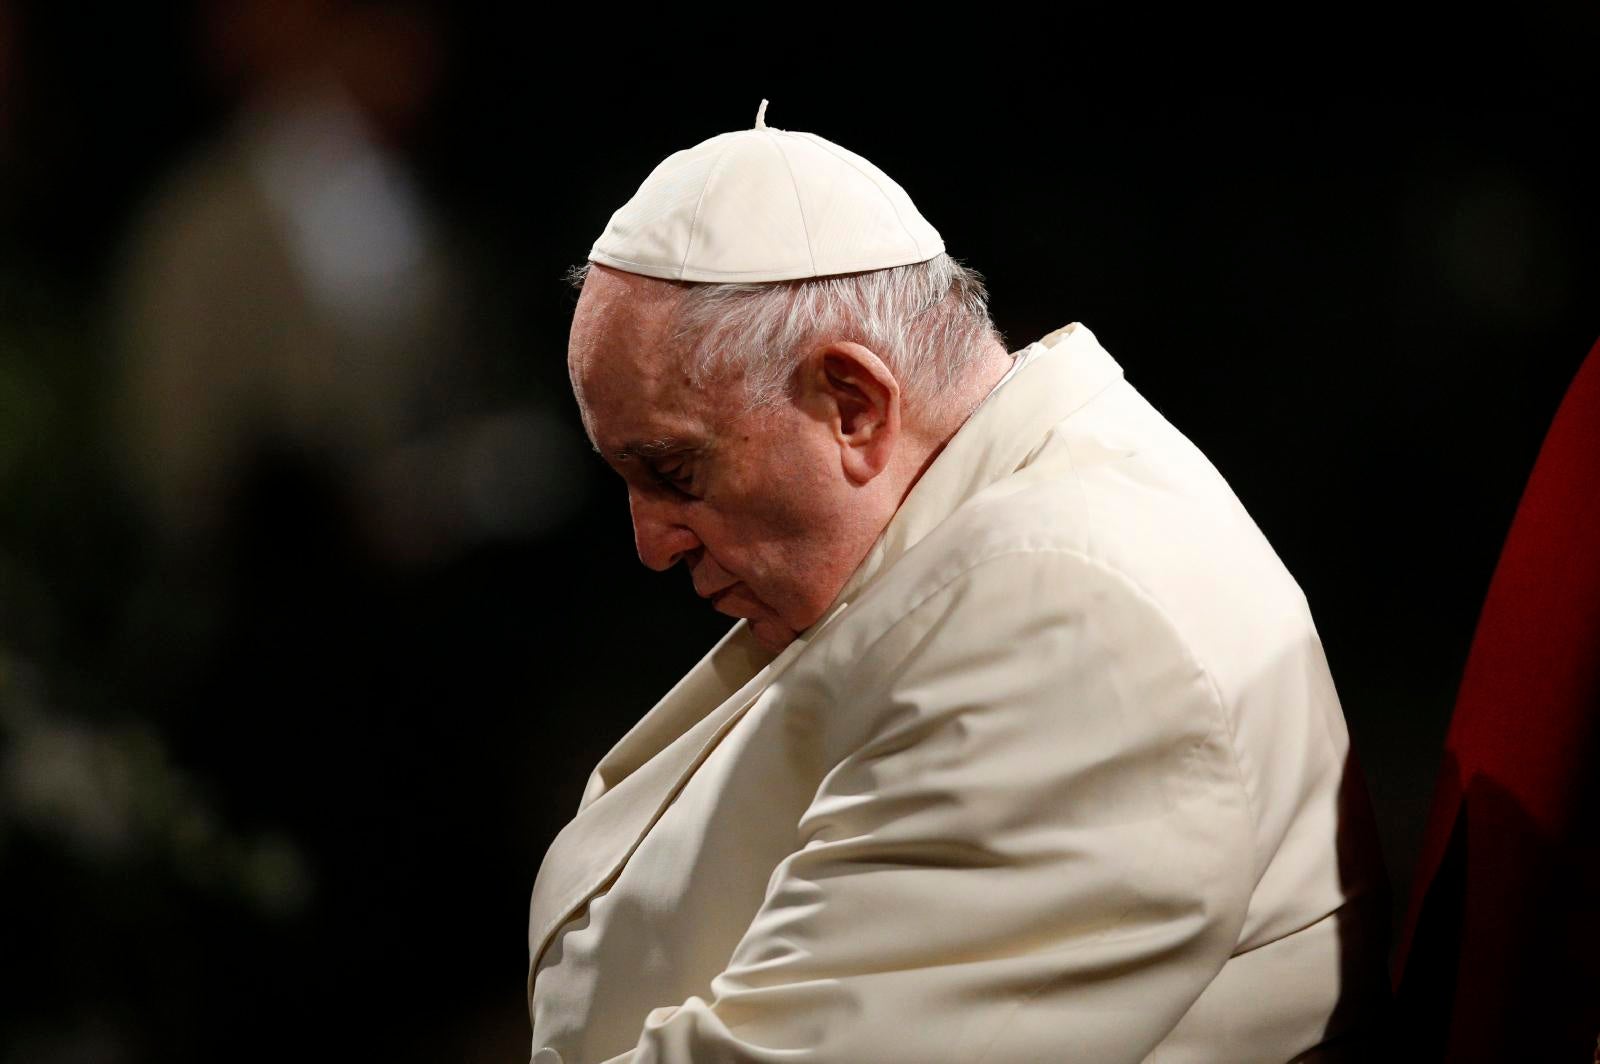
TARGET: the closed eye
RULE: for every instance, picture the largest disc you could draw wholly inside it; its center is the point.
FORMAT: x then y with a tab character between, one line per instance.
675	474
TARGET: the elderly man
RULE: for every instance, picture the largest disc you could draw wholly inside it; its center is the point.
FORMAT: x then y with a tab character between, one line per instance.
1023	747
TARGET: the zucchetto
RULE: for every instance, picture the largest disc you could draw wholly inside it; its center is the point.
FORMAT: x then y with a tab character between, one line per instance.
765	204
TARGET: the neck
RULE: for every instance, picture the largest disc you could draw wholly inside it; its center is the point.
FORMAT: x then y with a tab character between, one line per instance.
929	440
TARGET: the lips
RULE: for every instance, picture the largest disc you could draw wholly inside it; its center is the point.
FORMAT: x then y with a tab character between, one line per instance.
722	588
706	585
737	601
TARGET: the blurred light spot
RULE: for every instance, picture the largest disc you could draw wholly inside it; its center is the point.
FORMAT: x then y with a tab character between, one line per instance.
276	876
354	219
73	783
110	796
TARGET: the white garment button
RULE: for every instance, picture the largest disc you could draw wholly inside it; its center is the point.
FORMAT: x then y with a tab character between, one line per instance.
546	1056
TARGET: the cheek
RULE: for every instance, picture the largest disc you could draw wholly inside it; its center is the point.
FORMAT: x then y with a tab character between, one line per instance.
796	505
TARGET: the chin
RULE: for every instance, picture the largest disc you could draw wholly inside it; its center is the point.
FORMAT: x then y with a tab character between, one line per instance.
772	634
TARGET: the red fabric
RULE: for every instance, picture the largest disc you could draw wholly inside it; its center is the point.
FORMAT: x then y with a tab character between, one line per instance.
1500	954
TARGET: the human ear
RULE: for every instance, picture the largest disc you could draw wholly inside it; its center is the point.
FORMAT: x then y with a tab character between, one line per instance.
859	399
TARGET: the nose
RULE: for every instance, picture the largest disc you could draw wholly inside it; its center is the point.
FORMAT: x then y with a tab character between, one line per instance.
658	534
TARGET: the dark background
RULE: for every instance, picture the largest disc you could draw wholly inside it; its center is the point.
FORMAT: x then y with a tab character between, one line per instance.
280	789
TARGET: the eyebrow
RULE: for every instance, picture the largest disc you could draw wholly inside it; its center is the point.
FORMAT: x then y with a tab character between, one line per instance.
651	448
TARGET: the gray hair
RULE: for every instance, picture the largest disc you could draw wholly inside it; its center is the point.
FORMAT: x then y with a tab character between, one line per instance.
929	321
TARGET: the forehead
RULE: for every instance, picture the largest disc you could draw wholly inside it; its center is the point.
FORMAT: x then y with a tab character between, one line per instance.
628	376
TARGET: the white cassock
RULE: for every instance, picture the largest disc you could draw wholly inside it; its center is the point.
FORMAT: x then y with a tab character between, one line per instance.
1061	775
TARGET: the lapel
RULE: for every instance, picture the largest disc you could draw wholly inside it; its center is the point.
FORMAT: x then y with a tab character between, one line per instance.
636	780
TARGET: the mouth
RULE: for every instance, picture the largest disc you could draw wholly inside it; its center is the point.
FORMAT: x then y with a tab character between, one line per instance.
706	585
736	600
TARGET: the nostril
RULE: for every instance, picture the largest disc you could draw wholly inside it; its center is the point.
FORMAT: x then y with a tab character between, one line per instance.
662	543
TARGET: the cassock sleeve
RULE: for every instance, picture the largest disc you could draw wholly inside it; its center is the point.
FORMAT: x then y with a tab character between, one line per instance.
1034	843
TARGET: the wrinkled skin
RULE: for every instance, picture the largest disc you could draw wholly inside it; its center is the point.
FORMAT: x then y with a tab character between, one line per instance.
772	510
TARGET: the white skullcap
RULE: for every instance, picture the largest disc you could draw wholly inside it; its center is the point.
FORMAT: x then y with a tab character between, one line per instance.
765	204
